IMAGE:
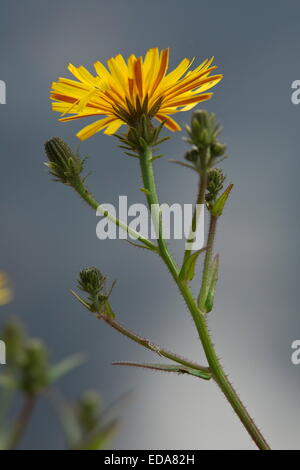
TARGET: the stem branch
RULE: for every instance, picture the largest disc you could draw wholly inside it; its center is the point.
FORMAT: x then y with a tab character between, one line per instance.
198	316
94	204
206	374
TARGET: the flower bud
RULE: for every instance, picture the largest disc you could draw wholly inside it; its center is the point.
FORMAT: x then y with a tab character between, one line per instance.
63	164
13	335
192	156
88	411
203	136
93	283
34	368
215	180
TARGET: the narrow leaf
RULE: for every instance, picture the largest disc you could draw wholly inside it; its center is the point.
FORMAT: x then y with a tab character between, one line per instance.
100	439
218	207
187	271
212	282
146	191
186	165
65	366
178	369
81	300
145	247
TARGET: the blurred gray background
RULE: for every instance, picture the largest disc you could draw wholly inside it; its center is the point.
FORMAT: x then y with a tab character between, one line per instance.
47	234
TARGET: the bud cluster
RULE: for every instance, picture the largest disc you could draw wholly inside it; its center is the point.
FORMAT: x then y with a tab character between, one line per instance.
203	134
215	182
27	357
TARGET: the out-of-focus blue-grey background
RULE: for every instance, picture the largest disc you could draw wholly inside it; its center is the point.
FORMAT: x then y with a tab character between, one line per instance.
47	234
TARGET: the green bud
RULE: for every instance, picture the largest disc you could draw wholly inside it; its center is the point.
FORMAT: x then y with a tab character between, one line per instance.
63	164
34	368
192	156
215	180
203	136
218	149
93	283
13	335
88	411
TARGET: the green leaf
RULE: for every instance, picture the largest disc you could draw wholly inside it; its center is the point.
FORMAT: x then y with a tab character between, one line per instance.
108	310
69	423
178	369
146	191
186	165
212	282
187	271
81	300
65	366
156	157
218	207
8	382
145	247
100	438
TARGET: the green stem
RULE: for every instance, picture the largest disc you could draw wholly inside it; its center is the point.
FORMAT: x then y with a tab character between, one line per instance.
94	204
200	200
21	422
207	260
198	316
205	372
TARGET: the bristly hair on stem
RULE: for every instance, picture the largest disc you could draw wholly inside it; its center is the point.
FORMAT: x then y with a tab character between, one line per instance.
205	153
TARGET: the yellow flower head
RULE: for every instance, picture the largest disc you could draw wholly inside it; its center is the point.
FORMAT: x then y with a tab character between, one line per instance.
130	89
5	291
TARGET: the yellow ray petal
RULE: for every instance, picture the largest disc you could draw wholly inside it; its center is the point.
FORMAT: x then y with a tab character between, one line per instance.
101	70
164	62
93	128
81	115
117	93
113	127
138	77
194	99
169	122
178	71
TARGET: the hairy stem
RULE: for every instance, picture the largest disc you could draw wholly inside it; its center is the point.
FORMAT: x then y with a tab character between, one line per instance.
21	422
204	371
198	316
94	204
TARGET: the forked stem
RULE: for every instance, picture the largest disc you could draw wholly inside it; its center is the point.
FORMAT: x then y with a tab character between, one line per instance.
203	372
199	316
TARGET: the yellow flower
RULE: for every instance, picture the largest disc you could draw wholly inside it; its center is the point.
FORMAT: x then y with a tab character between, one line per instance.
5	291
130	89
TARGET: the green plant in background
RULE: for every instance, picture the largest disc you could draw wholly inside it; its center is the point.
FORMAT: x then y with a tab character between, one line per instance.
133	93
85	423
28	376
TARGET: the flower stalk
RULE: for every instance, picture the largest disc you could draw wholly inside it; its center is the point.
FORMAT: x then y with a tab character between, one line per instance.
139	142
197	314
